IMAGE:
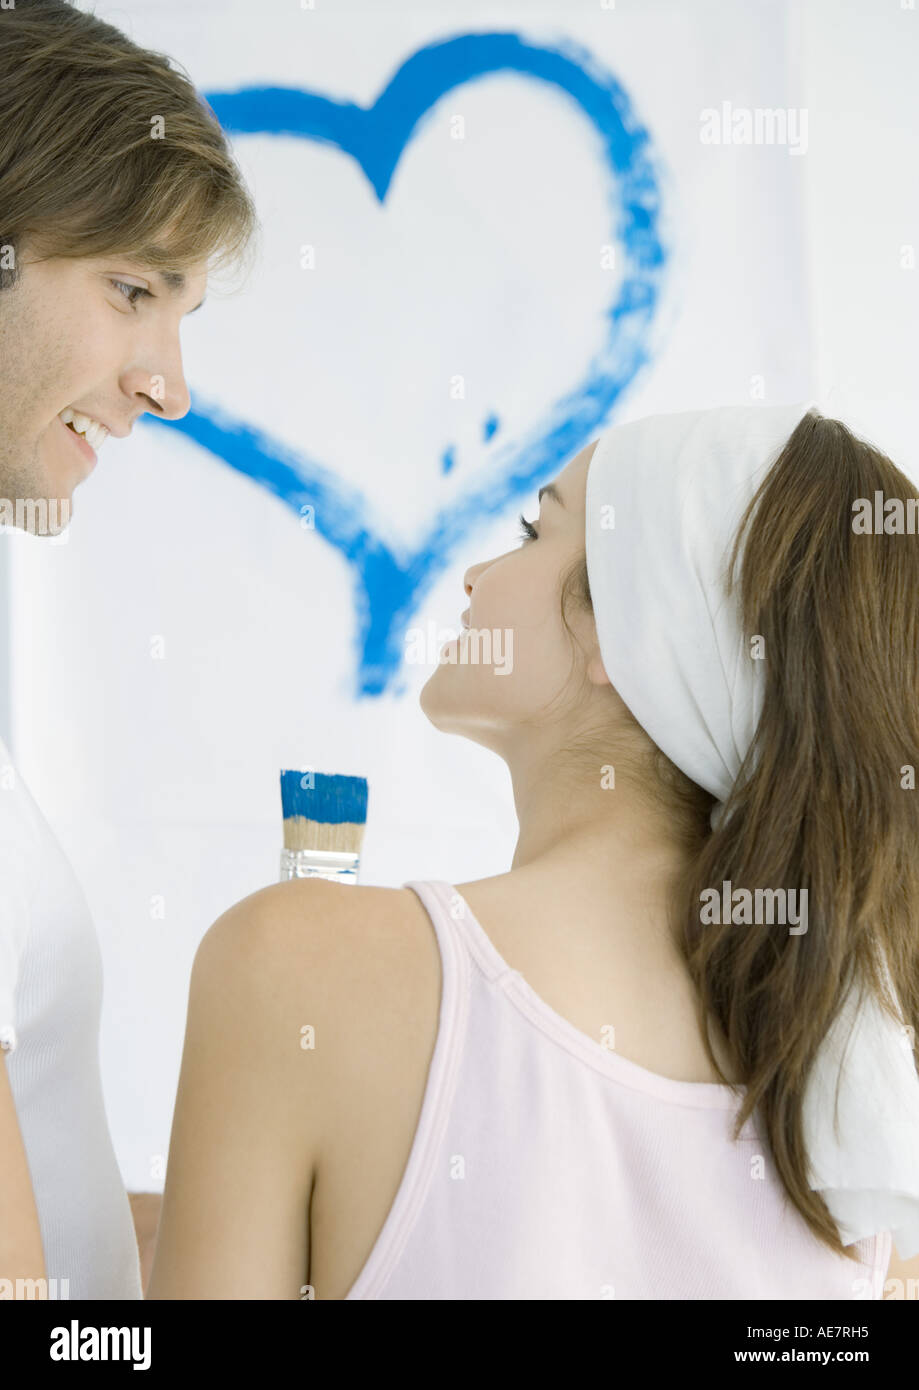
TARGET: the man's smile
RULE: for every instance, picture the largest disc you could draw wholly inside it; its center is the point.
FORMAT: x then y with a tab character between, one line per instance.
86	449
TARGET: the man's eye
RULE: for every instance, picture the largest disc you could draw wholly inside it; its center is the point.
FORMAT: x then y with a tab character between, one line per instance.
527	532
129	290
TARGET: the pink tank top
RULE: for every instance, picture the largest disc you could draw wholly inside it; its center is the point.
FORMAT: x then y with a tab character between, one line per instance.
545	1166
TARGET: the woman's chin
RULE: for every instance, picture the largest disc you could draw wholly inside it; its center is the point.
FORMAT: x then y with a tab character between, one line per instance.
438	708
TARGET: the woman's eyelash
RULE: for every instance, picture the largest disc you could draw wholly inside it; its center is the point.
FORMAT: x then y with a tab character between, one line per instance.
527	531
137	290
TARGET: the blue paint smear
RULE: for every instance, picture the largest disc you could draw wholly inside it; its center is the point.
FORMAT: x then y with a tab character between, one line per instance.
333	799
490	427
448	460
389	585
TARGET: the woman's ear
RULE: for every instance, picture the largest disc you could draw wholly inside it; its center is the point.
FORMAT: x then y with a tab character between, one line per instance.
596	671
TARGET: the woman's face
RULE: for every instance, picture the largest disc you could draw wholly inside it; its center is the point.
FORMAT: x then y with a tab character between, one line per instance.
516	657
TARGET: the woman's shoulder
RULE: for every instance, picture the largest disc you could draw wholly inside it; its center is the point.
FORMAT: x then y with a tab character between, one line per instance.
334	941
300	910
348	971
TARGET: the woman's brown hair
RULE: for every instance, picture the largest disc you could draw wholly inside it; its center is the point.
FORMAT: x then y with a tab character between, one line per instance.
106	148
825	798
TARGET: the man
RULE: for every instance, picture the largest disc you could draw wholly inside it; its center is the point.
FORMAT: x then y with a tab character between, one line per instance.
117	193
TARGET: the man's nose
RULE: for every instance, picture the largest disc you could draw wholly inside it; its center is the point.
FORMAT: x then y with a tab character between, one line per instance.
163	392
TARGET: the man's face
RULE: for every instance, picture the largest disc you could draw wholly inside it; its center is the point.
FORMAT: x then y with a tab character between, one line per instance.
82	334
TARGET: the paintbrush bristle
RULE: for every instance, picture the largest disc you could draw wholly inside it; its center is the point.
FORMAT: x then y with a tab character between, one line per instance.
323	811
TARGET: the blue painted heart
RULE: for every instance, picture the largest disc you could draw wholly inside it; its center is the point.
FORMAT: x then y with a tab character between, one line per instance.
389	586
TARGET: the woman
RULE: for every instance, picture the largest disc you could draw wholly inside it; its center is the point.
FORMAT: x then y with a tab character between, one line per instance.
580	1084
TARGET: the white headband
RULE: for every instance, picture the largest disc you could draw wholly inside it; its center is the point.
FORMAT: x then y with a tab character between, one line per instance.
665	496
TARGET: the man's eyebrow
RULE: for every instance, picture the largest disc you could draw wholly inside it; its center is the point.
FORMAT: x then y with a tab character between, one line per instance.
175	282
550	490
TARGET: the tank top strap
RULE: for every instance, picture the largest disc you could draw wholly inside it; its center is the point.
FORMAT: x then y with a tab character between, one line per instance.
446	909
455	922
439	1092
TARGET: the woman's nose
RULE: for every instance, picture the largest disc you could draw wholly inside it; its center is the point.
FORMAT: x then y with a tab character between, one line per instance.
471	575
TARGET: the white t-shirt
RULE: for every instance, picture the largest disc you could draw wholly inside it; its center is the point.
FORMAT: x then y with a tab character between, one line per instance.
50	1005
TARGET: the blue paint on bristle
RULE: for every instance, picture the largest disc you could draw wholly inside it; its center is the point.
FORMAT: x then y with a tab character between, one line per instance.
331	799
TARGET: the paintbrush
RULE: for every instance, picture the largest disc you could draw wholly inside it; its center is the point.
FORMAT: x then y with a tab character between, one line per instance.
324	820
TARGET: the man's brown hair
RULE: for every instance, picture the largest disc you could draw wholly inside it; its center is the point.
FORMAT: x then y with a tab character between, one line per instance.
107	148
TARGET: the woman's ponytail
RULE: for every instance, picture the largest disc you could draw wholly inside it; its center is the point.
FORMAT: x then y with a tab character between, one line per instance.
825	802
